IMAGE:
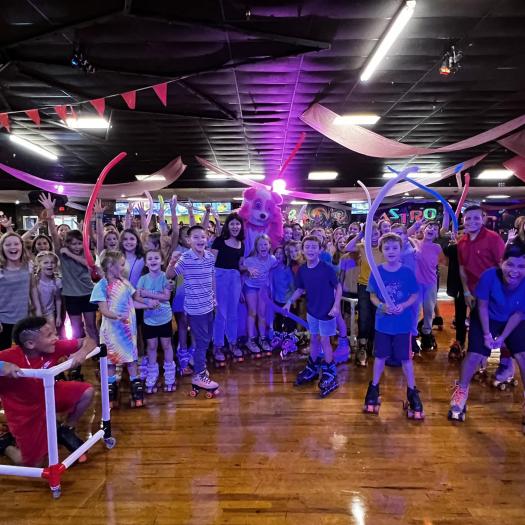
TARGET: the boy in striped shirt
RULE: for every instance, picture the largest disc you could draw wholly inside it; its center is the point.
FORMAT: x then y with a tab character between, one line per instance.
197	266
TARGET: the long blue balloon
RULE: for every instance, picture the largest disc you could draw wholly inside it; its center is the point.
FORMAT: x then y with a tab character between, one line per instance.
288	314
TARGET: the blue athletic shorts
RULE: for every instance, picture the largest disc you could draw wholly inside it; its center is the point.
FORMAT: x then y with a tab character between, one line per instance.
320	327
398	346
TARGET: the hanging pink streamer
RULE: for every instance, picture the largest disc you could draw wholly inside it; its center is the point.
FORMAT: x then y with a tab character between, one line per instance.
345	196
171	172
517	166
150	209
293	154
464	193
91	205
515	142
366	142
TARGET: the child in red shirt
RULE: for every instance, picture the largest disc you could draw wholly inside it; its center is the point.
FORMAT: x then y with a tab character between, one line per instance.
23	398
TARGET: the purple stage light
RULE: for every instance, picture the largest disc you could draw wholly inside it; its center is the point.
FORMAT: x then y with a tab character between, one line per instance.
279	186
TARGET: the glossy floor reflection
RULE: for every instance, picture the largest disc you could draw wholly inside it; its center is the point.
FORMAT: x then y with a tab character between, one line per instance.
268	453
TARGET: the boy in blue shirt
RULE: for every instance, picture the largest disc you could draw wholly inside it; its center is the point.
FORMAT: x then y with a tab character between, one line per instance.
323	297
393	324
498	318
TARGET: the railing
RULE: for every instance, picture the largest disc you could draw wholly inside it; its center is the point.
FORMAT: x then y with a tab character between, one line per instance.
56	468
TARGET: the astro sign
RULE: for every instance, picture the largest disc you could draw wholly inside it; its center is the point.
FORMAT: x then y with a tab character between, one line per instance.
404	215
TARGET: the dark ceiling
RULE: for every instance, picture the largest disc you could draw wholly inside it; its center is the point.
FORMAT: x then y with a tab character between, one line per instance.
246	70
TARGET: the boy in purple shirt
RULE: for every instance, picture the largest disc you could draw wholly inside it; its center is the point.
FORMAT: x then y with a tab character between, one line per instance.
323	297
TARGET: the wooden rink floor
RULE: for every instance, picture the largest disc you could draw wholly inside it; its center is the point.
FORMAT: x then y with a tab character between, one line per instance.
266	453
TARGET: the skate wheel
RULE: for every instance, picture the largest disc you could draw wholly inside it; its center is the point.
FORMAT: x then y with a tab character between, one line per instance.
514	382
209	395
82	459
193	393
502	386
110	442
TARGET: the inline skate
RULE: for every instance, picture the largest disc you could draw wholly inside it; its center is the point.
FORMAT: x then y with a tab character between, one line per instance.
67	437
328	382
236	353
113	390
152	378
288	346
372	399
413	405
458	404
137	393
342	351
309	373
504	376
456	351
169	376
218	357
428	342
252	347
202	381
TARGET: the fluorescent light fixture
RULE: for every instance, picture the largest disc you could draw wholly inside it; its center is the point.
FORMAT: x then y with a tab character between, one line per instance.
150	178
416	176
123	195
137	199
237	198
218	176
497	197
87	123
394	30
355	202
33	147
495	174
322	175
362	119
297	203
417	197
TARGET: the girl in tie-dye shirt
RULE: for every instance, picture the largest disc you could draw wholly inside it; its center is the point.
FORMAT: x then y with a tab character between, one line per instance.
117	300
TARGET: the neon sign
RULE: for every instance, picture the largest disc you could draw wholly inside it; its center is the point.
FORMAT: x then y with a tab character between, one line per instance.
407	217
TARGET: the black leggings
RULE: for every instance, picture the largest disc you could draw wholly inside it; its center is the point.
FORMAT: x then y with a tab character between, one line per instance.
460	314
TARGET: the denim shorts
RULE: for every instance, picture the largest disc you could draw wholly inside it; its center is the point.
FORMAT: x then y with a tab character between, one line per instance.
398	346
320	327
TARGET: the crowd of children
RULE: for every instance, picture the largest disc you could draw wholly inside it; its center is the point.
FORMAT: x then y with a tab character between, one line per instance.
153	281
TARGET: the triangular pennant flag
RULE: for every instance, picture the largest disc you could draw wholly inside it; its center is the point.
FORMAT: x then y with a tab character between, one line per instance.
4	121
34	115
61	111
99	104
73	112
162	91
130	97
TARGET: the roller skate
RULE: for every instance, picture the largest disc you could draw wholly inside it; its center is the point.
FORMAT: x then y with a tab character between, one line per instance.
6	440
75	374
218	357
413	405
265	346
137	393
236	353
458	404
118	372
309	373
438	322
456	352
428	343
277	340
252	347
342	350
113	394
143	368
416	348
361	356
202	381
169	376
152	378
66	436
504	376
481	375
372	399
289	345
328	382
183	357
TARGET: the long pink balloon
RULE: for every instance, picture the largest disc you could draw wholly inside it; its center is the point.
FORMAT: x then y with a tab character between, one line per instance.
464	194
91	205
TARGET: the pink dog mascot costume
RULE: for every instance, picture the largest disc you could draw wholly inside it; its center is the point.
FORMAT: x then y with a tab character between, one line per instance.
261	214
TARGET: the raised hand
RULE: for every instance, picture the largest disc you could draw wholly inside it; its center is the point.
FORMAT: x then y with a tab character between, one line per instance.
98	208
47	202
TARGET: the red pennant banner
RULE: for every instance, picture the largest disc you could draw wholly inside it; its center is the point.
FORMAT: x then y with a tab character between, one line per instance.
61	111
162	92
100	105
34	115
73	112
4	121
130	97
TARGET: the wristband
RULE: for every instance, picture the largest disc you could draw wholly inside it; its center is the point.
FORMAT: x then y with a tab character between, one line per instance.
467	294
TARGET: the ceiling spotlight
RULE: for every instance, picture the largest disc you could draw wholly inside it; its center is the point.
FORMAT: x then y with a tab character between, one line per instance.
451	61
279	186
